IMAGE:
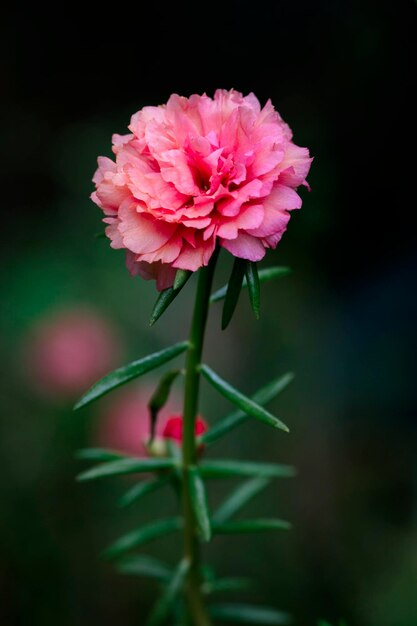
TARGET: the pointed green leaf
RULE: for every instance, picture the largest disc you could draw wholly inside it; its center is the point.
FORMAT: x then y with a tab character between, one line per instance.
181	278
126	466
264	275
199	503
163	607
142	535
144	566
233	291
252	279
142	489
123	374
166	297
262	396
250	526
99	454
239	498
249	614
226	584
241	401
160	396
222	469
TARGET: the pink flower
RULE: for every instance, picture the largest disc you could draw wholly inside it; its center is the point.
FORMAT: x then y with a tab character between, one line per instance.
196	172
69	350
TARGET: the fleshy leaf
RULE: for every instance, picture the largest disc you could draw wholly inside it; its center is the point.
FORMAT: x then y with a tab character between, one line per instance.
123	374
199	502
144	566
142	535
252	280
160	396
241	401
250	526
239	498
125	466
141	489
226	584
249	614
264	275
166	297
262	396
222	469
163	606
233	291
99	454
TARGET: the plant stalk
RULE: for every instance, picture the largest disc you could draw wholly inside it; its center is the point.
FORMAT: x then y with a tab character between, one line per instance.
195	599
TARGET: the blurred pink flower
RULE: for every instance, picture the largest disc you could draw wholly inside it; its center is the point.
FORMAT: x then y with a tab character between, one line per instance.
124	423
69	350
196	172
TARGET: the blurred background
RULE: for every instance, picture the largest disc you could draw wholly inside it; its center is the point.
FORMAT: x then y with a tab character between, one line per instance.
341	75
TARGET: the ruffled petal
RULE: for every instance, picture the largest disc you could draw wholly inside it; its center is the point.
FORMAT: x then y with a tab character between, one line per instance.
142	233
276	206
192	258
295	166
163	274
245	247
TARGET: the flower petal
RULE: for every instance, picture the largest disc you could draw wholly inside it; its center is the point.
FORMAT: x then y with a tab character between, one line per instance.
245	247
162	273
281	200
193	258
295	166
142	233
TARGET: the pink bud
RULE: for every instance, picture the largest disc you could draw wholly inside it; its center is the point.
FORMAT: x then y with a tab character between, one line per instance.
124	422
174	424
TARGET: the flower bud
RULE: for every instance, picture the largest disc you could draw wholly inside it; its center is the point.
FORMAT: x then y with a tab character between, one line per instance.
174	427
157	447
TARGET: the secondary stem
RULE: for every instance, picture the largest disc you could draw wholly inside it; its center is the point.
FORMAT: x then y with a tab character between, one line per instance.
196	603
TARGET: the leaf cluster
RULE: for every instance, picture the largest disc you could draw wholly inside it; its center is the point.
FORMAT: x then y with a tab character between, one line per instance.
156	473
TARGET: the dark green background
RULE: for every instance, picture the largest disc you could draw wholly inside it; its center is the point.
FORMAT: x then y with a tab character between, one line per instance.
341	74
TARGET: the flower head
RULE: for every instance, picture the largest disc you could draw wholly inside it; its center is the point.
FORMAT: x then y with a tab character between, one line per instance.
196	172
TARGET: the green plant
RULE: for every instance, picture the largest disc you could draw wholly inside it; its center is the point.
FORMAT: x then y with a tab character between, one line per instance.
186	472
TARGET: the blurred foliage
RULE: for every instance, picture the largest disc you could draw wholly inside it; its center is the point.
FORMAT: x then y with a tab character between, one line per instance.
341	75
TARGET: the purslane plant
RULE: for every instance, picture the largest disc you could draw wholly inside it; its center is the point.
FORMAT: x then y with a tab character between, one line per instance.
193	176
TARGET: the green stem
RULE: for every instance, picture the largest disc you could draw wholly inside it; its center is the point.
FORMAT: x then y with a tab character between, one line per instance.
196	603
